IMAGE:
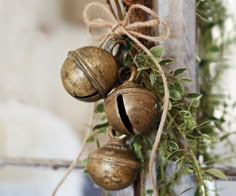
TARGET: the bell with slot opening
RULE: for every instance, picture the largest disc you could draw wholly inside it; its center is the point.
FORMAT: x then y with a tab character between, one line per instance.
131	109
89	73
113	166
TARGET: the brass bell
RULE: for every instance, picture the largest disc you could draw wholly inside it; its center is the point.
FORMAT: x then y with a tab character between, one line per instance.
89	73
113	166
131	109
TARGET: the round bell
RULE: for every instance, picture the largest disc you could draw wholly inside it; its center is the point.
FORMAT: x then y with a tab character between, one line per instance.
89	73
131	109
113	166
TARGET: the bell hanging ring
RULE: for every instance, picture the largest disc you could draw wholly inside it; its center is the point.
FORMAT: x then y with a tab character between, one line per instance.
89	73
113	166
131	109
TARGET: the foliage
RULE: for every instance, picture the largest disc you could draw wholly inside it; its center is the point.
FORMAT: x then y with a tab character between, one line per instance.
191	127
182	133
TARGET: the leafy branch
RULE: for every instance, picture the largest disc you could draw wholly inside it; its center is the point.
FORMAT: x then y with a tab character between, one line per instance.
192	128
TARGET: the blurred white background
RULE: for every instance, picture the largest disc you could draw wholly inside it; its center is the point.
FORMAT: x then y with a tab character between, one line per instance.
228	82
37	117
229	77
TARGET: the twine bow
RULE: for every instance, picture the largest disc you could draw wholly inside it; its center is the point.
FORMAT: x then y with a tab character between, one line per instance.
112	27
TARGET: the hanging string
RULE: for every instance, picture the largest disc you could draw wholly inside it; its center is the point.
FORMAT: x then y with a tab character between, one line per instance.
76	161
111	27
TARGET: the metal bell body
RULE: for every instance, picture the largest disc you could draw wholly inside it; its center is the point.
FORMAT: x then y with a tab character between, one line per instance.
89	73
114	166
131	109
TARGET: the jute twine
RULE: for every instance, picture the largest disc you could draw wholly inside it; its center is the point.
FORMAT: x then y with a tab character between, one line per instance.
111	27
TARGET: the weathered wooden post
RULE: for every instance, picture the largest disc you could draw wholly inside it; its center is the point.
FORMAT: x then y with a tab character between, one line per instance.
180	16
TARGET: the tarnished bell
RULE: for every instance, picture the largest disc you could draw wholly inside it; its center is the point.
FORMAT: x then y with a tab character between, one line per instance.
89	73
113	166
131	109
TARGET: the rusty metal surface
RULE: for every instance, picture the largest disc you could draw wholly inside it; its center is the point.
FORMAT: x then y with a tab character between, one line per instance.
89	73
113	166
131	109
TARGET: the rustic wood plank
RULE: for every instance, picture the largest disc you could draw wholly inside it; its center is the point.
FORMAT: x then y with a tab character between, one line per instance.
180	16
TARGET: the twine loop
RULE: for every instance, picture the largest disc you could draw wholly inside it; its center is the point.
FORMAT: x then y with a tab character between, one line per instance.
111	27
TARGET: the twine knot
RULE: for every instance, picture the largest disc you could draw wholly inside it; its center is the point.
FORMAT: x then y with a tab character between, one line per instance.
101	28
115	29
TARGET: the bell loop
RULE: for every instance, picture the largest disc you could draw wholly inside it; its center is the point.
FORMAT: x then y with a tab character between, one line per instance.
127	74
111	134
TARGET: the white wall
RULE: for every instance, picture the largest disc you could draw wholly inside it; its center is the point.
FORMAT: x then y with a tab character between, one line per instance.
37	117
34	42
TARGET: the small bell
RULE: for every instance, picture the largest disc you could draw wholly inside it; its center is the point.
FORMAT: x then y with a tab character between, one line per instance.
89	73
113	166
131	109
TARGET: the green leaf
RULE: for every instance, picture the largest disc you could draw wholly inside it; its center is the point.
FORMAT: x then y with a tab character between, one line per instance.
172	145
169	105
215	48
202	125
207	137
188	171
166	62
90	139
103	117
185	113
137	146
127	61
148	142
186	80
85	171
152	79
102	130
85	162
176	154
140	57
194	95
217	173
179	71
195	103
198	59
99	126
149	192
225	136
175	95
195	99
178	87
199	191
143	69
99	108
157	51
137	149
